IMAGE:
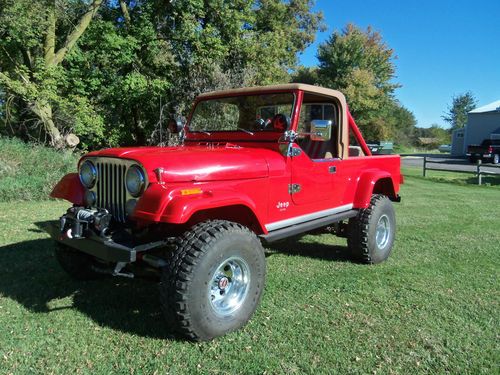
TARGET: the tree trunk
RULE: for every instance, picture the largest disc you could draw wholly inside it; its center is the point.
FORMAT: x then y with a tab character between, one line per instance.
40	107
77	32
126	14
44	112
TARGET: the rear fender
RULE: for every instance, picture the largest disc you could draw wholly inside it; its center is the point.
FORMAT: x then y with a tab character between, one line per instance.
69	188
373	182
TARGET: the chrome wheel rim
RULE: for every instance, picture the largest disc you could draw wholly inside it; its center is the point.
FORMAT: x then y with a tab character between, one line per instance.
229	286
383	231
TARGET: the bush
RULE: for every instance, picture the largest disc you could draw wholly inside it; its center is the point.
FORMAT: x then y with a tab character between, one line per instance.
30	171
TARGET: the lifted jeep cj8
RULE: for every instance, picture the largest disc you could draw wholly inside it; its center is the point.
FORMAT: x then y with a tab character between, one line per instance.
255	165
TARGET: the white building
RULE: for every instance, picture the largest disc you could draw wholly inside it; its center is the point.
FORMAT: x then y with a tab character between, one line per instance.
482	123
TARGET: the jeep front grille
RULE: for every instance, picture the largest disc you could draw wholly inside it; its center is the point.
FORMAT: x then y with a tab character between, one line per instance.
110	188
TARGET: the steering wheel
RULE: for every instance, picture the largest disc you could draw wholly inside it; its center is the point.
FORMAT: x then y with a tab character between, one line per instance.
259	124
280	122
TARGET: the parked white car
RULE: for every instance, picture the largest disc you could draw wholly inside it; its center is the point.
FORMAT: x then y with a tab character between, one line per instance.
445	148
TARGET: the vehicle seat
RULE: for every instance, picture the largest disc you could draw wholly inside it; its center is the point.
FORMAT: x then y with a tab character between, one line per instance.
355	151
317	149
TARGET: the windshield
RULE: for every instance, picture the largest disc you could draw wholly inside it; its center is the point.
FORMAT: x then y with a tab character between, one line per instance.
247	113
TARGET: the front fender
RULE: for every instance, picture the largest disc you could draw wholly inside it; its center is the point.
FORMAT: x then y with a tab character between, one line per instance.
160	205
366	185
69	188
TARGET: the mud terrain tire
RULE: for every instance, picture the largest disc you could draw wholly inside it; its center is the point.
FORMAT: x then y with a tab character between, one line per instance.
371	233
213	281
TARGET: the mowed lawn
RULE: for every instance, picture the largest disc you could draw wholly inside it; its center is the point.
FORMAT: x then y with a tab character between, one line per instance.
432	308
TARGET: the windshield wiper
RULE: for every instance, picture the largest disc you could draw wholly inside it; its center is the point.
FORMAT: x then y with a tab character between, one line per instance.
246	131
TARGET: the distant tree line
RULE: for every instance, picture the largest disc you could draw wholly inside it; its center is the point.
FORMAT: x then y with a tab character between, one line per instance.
358	63
110	70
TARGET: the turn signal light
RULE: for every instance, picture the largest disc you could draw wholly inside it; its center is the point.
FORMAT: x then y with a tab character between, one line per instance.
191	191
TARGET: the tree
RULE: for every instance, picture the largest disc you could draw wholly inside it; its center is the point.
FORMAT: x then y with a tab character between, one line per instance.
456	115
30	60
307	75
360	64
434	136
108	78
234	43
399	123
125	70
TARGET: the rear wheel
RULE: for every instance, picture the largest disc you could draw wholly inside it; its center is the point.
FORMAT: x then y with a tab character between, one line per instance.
371	233
214	280
78	265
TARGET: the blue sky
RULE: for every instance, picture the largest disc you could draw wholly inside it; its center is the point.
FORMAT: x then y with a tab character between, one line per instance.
443	47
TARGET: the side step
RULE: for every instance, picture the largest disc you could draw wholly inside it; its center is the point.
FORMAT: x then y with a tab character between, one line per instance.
293	230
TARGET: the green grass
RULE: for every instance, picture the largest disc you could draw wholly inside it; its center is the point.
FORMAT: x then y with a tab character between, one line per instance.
404	149
433	307
488	181
29	171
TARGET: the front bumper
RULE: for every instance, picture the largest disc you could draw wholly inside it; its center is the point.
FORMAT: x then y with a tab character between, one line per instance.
104	248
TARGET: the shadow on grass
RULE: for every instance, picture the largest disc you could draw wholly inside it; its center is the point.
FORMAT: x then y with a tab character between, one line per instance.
32	277
314	250
486	180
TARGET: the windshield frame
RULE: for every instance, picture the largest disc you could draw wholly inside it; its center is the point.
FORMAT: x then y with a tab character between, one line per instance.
238	135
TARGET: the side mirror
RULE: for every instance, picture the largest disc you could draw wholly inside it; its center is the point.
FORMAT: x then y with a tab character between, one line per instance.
175	126
321	130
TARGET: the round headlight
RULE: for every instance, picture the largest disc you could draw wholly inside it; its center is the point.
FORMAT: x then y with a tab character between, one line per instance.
135	180
88	174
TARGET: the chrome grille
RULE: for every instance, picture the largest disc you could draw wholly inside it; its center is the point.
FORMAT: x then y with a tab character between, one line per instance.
110	188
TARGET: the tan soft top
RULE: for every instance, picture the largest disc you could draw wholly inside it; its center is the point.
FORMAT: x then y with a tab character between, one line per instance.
310	89
286	87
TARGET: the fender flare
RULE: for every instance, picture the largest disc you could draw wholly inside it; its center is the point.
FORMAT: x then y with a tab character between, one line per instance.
69	188
367	183
160	205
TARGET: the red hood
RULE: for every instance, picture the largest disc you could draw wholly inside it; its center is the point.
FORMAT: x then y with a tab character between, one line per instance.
196	163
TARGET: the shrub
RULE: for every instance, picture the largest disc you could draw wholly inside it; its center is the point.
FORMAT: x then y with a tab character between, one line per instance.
30	171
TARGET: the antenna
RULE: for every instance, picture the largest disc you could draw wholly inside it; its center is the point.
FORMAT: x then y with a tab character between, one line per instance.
161	122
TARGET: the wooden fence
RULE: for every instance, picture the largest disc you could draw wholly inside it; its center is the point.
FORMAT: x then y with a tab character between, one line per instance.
479	170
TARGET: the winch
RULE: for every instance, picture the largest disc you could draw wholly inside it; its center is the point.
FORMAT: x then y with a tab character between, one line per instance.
77	220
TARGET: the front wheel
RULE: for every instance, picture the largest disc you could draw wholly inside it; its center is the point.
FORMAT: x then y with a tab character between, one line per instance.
371	233
214	280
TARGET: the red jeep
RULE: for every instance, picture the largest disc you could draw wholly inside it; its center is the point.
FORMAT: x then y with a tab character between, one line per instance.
255	165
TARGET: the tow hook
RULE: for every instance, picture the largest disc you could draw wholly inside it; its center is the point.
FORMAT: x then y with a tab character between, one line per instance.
117	271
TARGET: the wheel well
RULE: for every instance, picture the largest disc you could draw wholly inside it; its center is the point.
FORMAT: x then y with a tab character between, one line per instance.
238	214
385	186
